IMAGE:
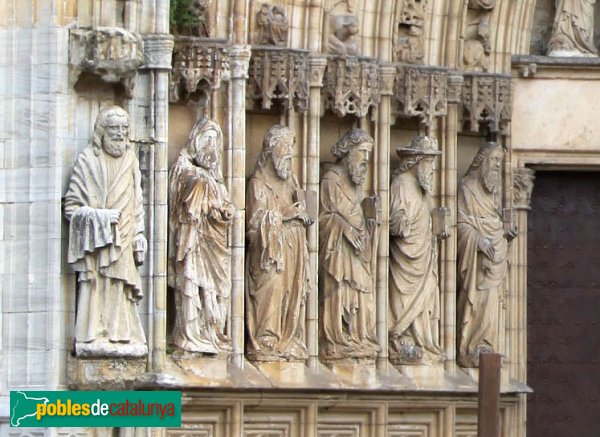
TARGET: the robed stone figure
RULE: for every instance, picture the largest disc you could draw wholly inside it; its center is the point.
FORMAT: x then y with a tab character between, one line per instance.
277	276
414	294
482	256
199	257
347	253
573	29
104	207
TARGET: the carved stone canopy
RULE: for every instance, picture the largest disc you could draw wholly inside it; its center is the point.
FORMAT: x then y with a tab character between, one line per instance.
351	85
487	98
421	91
197	61
278	74
112	53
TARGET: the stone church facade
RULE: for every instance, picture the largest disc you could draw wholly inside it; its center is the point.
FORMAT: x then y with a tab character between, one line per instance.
461	73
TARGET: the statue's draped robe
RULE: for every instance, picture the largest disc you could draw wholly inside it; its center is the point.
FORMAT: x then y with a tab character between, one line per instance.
481	280
199	257
573	29
414	291
277	270
347	297
102	253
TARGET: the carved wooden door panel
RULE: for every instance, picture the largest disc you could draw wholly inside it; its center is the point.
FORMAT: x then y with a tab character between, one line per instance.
563	305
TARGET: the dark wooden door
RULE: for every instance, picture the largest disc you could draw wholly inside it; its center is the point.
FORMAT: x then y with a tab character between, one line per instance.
563	305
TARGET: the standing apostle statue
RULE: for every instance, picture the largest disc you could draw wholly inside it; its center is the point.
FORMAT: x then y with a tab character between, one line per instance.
104	206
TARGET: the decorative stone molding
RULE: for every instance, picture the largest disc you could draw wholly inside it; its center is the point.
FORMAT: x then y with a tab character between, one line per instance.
112	53
278	74
421	92
240	60
522	187
158	51
197	60
487	99
351	85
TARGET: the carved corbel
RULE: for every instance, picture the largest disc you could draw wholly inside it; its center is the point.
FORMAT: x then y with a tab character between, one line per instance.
316	65
278	74
487	99
158	51
198	61
112	53
522	187
351	85
421	92
387	76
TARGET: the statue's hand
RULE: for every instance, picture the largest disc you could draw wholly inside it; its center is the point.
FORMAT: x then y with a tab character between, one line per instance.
356	241
305	218
511	233
228	211
140	246
485	245
114	216
291	212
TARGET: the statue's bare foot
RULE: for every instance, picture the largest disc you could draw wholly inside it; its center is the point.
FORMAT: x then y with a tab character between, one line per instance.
268	342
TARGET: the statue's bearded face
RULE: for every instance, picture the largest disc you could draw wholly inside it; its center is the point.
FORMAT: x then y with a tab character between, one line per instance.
491	171
282	157
425	173
207	149
357	162
116	136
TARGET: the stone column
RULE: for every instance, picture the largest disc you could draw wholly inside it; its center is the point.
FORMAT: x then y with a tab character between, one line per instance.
522	187
317	66
387	76
158	48
239	60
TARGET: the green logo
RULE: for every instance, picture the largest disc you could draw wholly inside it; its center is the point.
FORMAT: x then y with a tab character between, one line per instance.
95	408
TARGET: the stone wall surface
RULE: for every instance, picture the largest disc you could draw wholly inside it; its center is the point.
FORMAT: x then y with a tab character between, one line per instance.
463	73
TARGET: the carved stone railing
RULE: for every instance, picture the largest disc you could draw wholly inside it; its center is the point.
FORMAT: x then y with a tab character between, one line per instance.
421	91
487	98
278	74
112	53
196	61
351	85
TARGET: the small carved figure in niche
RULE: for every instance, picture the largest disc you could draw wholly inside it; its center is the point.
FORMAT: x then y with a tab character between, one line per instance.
190	17
413	16
277	264
199	257
573	29
272	25
410	40
343	28
348	235
104	206
477	46
482	255
414	290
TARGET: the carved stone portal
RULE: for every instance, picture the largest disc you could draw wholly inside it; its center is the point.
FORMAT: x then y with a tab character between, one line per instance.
348	235
487	99
421	92
104	207
482	247
278	74
199	65
413	290
277	265
351	85
200	214
112	53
